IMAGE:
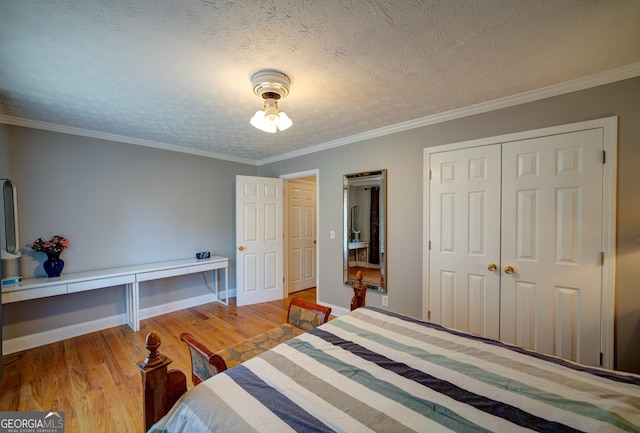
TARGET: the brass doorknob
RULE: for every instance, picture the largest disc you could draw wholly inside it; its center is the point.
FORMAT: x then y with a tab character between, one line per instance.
492	267
240	248
509	270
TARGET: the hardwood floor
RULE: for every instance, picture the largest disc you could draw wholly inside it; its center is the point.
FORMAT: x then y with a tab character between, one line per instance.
369	275
94	379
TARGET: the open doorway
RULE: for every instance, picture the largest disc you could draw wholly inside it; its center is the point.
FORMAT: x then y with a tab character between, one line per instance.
300	233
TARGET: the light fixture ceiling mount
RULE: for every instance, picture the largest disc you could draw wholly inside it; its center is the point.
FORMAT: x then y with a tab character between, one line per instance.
271	85
270	81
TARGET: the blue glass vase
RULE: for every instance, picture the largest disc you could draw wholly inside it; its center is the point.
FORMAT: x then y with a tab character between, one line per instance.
53	265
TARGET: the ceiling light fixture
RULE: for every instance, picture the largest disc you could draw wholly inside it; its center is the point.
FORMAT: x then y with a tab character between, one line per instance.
270	85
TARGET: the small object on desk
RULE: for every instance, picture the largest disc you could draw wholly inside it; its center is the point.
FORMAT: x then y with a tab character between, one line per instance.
203	255
359	293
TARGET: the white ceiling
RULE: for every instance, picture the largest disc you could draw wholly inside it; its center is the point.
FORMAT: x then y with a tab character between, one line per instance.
177	73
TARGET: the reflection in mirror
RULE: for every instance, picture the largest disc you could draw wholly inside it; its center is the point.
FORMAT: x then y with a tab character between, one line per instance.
365	215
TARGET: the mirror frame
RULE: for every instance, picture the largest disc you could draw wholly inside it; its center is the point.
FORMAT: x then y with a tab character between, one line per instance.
359	178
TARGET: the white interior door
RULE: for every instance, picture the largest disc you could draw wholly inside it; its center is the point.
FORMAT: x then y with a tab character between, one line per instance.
259	250
301	234
552	239
465	239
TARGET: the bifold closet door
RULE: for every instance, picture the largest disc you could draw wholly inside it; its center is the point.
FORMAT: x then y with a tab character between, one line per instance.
516	236
464	287
551	244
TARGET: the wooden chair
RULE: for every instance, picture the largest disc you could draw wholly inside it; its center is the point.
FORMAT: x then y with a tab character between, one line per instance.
307	315
301	316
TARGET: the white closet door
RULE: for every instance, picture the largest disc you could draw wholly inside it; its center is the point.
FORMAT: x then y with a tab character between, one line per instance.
465	239
551	237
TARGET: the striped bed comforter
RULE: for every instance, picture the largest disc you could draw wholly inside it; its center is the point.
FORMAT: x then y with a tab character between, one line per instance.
373	370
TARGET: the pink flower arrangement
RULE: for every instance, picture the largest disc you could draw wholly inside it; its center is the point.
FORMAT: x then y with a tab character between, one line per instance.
55	245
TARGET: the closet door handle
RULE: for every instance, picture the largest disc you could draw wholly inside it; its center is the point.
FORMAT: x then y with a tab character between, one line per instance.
509	270
240	248
492	267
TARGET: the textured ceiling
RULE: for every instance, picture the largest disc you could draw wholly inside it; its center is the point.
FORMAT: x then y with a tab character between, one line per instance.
178	72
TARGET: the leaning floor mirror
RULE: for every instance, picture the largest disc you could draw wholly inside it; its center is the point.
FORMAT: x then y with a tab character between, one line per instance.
365	234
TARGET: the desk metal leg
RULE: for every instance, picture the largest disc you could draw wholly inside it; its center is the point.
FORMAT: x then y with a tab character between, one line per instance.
226	284
216	283
133	306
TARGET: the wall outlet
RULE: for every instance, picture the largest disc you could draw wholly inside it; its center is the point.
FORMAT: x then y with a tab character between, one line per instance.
385	301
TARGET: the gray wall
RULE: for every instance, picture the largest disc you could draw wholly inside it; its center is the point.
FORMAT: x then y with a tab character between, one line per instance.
402	154
4	153
4	168
118	204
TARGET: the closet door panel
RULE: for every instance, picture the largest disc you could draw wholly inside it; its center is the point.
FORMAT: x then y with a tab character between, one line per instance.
551	237
465	239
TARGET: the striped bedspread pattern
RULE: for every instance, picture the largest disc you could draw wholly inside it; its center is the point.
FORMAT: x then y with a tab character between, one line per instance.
373	370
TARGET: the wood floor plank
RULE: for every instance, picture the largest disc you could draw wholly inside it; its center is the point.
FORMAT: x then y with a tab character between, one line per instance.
94	379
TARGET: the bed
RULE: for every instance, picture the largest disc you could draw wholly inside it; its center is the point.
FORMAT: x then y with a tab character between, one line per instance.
374	370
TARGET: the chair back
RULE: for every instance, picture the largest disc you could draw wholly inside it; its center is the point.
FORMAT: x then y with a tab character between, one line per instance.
307	315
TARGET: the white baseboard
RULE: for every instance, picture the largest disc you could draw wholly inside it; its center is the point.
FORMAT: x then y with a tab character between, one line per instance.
159	310
58	334
335	310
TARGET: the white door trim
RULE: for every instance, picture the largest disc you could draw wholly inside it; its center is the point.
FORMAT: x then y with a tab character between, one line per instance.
316	173
609	126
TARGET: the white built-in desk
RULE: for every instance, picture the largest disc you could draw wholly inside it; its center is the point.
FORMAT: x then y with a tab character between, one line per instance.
131	276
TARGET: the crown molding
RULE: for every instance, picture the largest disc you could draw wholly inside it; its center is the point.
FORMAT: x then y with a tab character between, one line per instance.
53	127
583	83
